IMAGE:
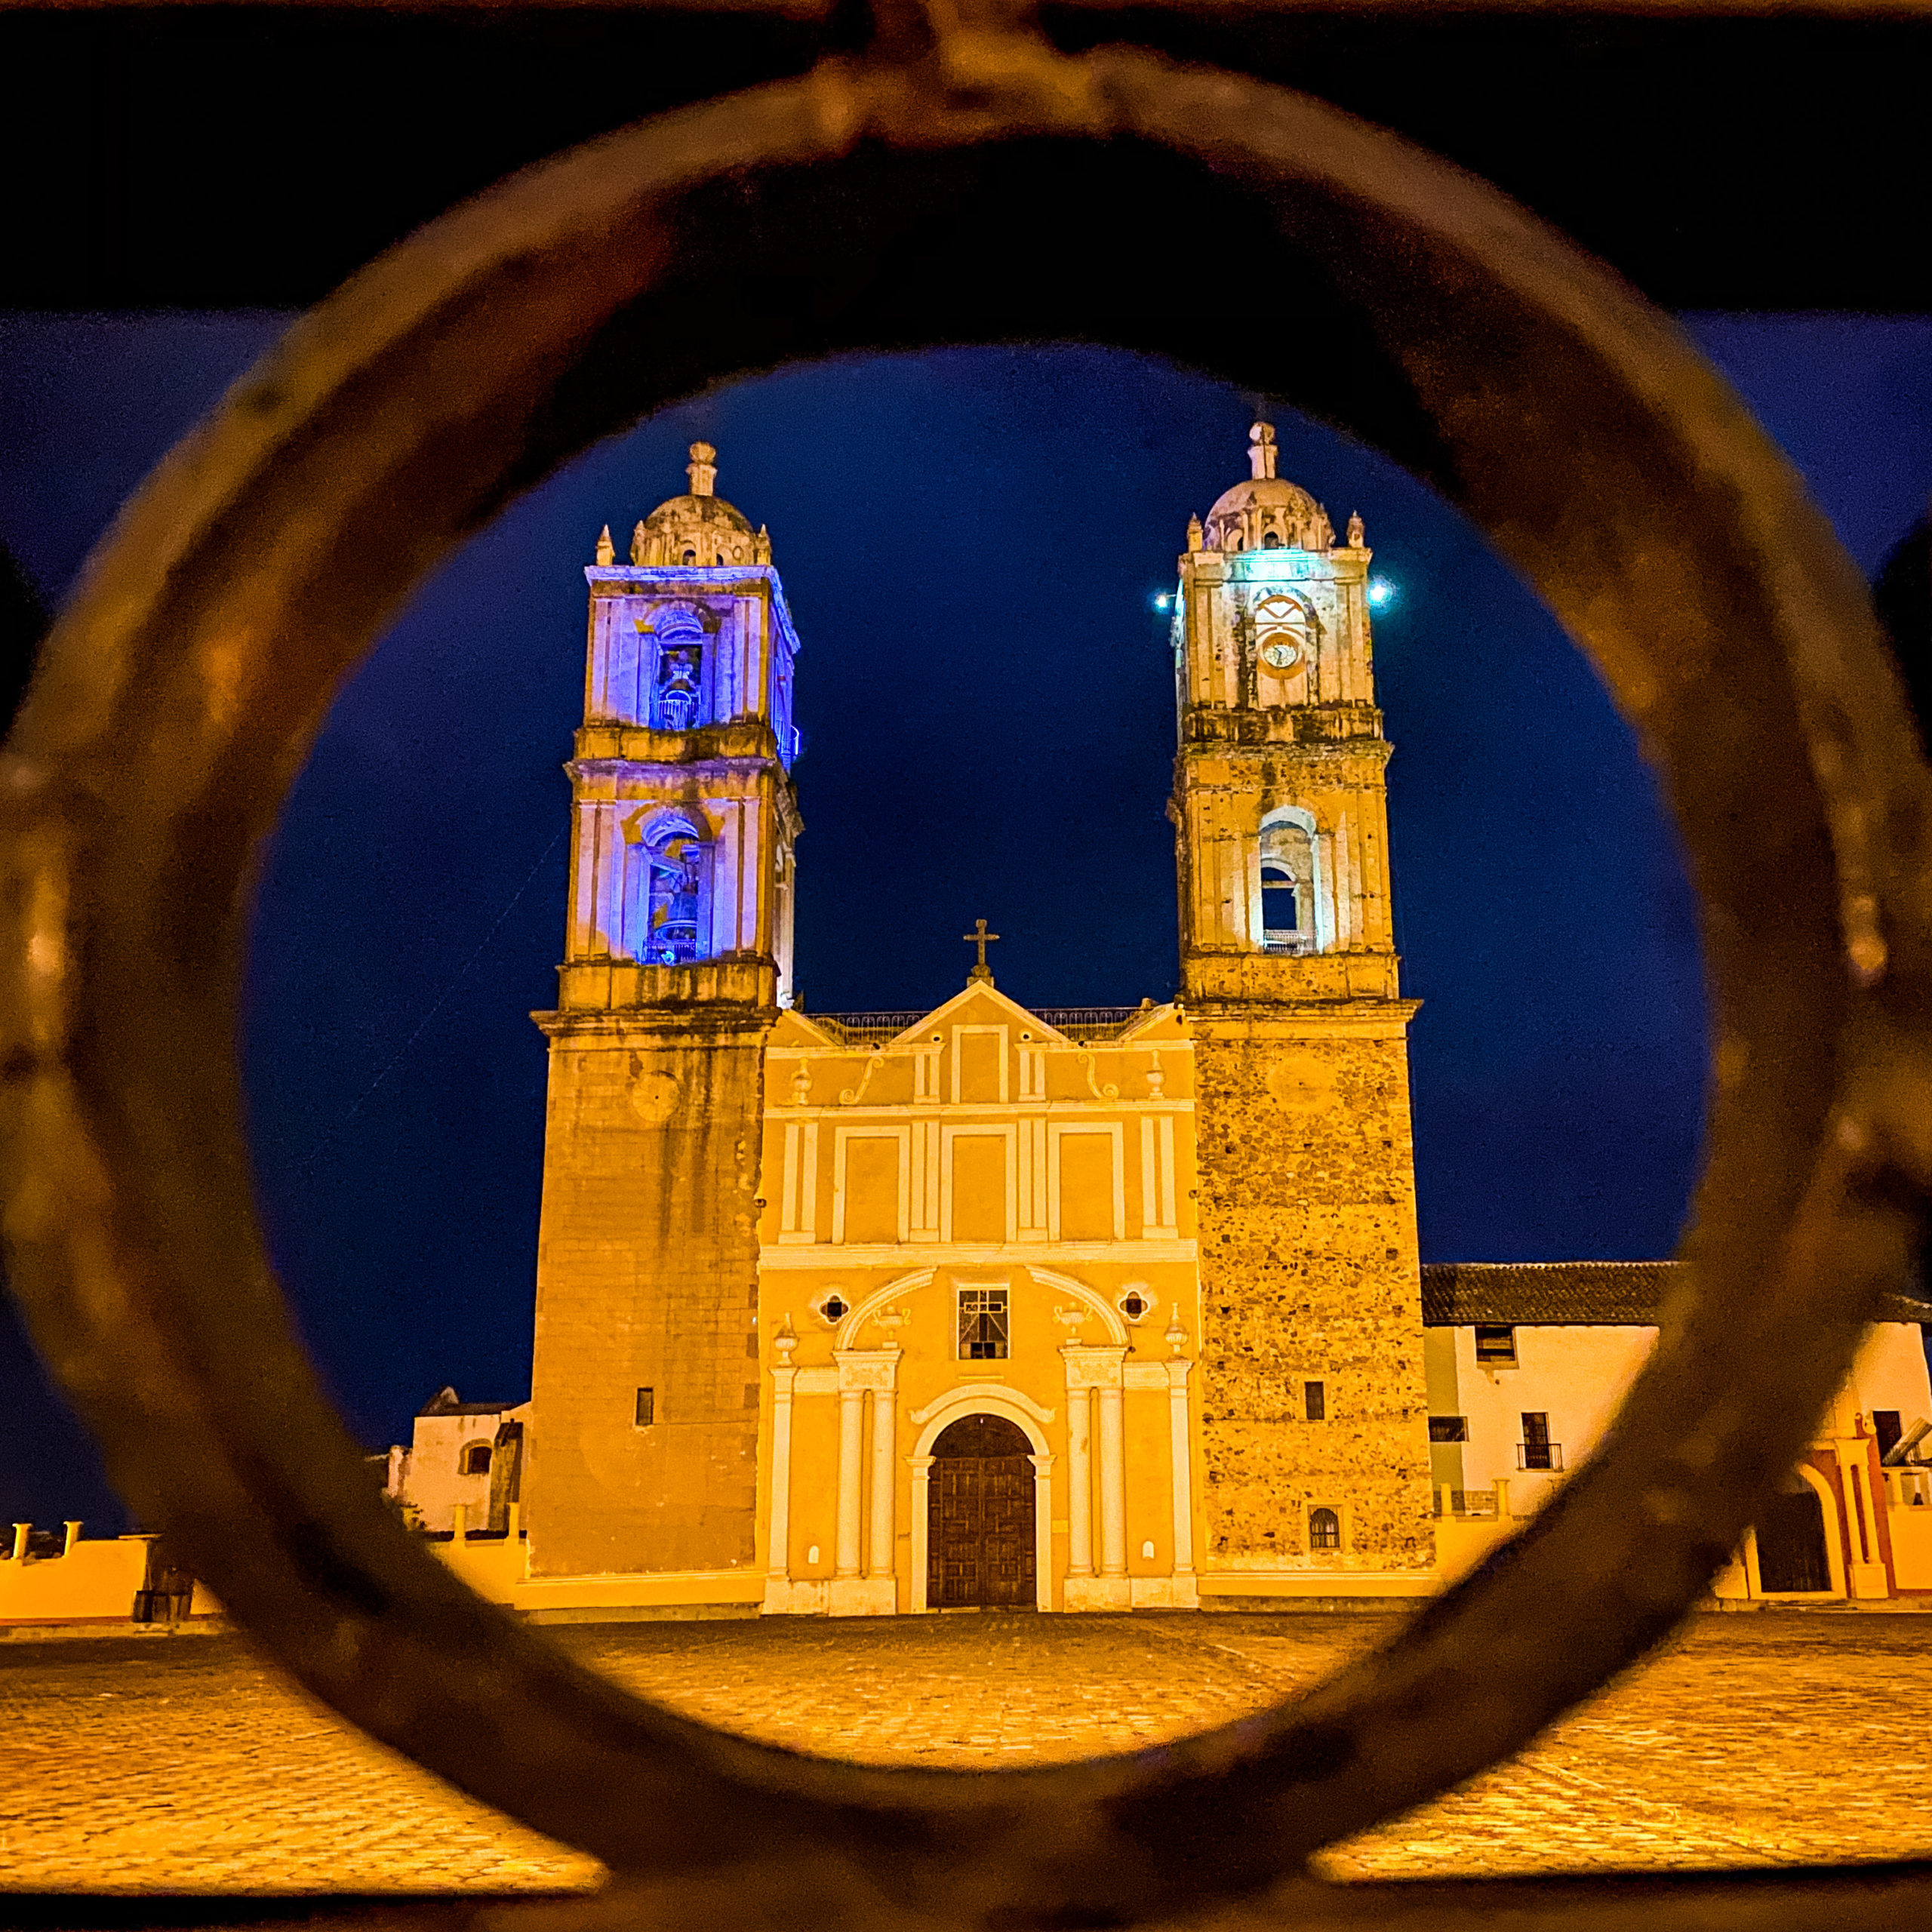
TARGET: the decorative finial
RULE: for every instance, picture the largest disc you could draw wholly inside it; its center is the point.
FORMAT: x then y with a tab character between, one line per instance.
980	938
1261	451
703	469
638	543
607	551
1194	532
762	545
1358	538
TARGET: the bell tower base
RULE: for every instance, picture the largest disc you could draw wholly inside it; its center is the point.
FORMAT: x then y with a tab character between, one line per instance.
647	1277
1309	1274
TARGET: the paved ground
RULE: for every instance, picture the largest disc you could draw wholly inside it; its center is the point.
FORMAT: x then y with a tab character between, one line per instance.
184	1764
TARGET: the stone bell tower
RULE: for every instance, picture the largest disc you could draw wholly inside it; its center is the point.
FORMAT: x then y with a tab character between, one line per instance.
677	956
1311	1394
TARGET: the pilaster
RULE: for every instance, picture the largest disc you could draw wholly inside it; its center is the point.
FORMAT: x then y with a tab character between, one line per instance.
1094	1380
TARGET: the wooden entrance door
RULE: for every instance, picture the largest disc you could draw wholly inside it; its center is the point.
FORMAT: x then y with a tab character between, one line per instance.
980	1533
1791	1541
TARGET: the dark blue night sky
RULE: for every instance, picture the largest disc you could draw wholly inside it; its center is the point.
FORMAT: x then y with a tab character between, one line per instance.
971	543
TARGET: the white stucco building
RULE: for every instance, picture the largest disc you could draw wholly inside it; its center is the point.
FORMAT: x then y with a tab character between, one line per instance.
1527	1362
467	1456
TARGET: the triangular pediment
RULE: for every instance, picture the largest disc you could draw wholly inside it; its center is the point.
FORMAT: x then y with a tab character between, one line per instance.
979	1003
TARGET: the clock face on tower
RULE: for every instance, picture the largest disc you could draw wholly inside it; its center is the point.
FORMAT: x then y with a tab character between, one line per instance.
1285	628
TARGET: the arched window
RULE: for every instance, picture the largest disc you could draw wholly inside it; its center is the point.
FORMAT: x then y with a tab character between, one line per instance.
667	892
476	1459
1324	1530
1272	541
690	556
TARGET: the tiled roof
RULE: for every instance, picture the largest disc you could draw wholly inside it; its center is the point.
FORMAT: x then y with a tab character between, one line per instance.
1550	1294
1545	1294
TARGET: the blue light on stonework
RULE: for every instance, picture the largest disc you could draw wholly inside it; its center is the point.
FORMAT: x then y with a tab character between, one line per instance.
1381	592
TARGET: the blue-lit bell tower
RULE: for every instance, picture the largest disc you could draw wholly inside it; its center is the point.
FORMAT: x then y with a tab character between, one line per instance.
684	819
677	956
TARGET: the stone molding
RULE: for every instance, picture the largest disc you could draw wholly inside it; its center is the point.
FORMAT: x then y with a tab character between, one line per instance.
874	1369
927	1255
1001	1397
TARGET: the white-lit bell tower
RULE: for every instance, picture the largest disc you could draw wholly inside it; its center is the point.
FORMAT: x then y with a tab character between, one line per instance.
1310	1276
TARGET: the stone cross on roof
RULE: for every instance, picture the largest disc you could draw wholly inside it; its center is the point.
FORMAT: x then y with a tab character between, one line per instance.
980	938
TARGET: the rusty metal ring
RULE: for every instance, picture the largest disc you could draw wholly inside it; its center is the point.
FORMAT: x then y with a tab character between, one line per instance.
181	688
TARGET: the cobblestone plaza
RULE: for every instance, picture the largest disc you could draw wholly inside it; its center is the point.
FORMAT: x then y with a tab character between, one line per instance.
184	1764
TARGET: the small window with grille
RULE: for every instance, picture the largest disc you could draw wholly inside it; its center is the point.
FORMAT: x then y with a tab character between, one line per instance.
1324	1530
476	1459
1315	1401
1448	1428
982	1325
647	1408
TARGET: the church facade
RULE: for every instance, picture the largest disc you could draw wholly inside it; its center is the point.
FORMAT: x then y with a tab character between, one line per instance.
985	1306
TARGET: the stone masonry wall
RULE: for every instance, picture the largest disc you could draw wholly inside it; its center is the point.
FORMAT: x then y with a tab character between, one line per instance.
1309	1272
646	1277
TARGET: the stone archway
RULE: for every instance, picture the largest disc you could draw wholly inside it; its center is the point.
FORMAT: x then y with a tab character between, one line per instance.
980	1536
1792	1537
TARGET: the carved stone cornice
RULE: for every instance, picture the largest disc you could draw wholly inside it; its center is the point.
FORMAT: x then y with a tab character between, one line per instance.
876	1369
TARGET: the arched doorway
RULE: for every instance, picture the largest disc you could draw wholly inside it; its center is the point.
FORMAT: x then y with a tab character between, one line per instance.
979	1539
1791	1555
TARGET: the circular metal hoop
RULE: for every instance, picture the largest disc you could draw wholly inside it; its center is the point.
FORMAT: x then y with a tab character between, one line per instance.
885	207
